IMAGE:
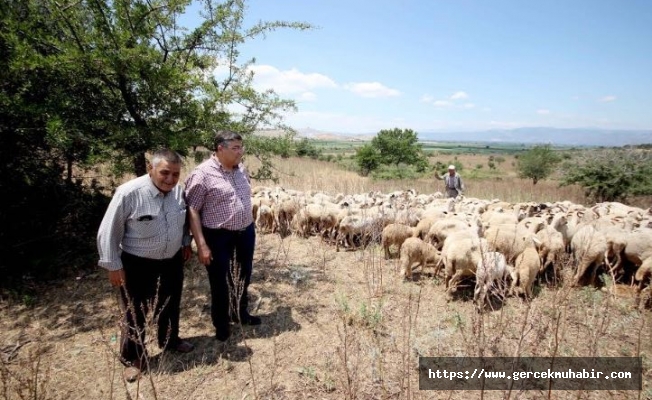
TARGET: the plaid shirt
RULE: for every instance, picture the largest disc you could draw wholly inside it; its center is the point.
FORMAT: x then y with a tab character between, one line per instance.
222	197
144	222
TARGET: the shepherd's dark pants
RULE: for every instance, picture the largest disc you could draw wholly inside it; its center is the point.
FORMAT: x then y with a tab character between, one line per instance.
225	246
146	281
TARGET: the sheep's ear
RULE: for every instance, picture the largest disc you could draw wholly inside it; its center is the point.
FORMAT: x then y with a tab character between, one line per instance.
536	241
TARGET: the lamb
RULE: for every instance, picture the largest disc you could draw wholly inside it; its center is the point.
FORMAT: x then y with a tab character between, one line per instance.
525	271
395	234
415	250
492	269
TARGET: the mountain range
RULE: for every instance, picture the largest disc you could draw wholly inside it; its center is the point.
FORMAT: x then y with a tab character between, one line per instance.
531	135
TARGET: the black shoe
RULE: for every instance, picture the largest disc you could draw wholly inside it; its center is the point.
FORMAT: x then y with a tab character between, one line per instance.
223	333
247	319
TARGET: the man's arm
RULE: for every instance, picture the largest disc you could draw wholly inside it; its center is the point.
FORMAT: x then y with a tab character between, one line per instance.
439	177
203	251
109	237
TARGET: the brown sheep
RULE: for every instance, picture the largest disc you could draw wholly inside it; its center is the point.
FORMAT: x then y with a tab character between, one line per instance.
395	234
415	250
526	268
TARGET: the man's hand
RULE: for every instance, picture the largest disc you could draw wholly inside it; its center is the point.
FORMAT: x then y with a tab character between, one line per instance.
204	254
117	278
186	252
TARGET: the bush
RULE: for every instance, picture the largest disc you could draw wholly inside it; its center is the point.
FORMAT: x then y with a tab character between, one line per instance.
306	148
611	175
388	172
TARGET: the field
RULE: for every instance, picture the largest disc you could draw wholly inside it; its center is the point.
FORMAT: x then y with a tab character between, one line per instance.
336	325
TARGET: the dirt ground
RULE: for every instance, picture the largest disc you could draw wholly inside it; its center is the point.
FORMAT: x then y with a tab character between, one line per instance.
336	325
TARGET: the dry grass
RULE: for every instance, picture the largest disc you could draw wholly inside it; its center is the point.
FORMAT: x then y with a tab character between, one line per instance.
335	325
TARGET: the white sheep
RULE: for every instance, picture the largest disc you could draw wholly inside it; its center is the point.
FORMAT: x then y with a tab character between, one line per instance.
415	250
589	248
395	234
491	273
265	218
284	212
440	229
551	249
510	239
460	256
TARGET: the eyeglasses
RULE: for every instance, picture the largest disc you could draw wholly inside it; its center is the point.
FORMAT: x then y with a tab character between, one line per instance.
237	149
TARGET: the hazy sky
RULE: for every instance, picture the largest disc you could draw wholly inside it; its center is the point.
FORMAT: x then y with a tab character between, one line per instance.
459	64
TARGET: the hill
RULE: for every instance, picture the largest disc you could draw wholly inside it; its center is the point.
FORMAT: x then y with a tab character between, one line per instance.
532	135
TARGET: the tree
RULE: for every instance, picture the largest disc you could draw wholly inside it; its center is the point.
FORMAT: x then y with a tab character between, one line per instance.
397	146
537	163
167	86
611	175
305	148
367	158
95	80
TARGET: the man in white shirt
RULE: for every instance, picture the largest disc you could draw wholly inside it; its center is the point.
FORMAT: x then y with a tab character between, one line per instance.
453	182
140	244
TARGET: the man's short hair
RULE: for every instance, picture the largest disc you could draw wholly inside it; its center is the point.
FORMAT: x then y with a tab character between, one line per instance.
168	155
223	137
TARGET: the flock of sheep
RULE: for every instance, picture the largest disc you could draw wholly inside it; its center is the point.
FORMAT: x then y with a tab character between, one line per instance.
492	241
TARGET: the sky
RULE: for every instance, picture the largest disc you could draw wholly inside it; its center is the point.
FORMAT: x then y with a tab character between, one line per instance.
458	65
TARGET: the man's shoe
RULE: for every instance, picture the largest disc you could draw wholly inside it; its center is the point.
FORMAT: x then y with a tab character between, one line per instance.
223	333
248	319
183	346
133	371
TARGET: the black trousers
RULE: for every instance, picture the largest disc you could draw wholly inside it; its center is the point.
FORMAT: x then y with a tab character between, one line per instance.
150	285
227	246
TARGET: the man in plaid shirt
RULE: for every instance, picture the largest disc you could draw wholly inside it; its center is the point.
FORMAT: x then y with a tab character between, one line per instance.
218	193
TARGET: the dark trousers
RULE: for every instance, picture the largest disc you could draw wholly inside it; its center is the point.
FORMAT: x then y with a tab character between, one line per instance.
227	246
150	284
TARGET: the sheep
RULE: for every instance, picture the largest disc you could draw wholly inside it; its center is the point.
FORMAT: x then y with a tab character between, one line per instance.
284	212
639	251
492	218
415	250
551	249
319	217
395	234
589	247
492	268
442	228
423	227
460	256
353	225
510	239
526	267
532	224
265	218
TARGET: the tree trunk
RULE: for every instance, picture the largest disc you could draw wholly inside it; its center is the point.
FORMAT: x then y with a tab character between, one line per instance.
69	170
140	164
